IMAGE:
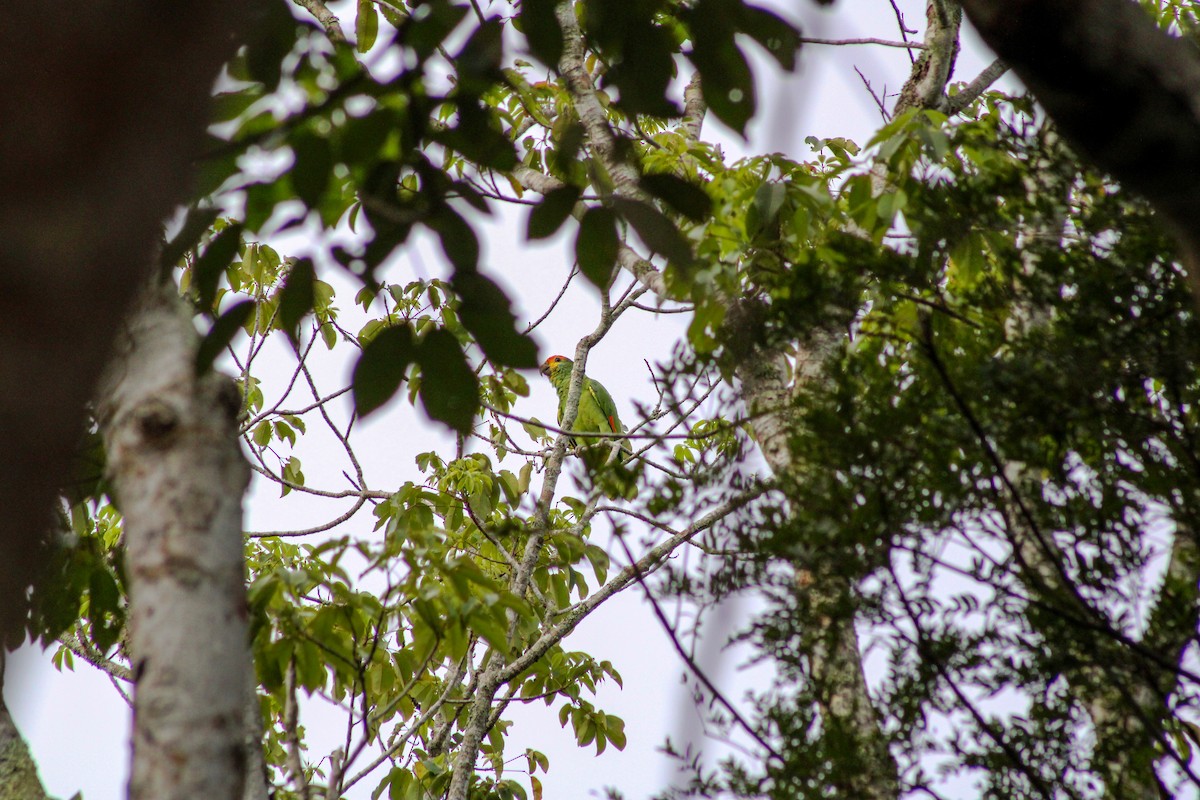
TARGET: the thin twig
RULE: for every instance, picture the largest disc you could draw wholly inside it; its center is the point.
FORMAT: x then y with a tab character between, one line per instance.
878	100
333	523
690	662
554	303
904	29
371	494
883	42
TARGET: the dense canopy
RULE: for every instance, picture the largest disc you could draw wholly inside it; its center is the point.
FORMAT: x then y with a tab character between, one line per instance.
927	400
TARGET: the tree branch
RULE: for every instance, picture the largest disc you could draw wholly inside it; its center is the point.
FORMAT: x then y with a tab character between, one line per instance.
883	42
333	28
969	93
646	565
694	109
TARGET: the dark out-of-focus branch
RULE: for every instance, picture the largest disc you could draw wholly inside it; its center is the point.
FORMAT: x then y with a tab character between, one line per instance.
105	108
1123	91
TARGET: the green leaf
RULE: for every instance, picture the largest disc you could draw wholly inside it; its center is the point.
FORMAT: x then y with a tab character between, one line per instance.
364	137
890	204
658	232
197	222
211	264
296	298
683	196
638	53
776	35
478	137
486	312
314	165
511	487
261	200
221	334
535	430
405	786
449	387
764	210
366	25
104	593
262	434
548	216
381	368
214	166
479	60
542	32
569	136
725	77
269	42
492	630
457	237
644	69
597	244
615	730
425	32
230	105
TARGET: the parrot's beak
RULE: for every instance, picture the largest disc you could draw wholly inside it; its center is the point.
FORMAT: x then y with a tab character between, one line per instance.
545	370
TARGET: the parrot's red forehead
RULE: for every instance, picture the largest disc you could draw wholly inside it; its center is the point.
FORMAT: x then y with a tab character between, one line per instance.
552	362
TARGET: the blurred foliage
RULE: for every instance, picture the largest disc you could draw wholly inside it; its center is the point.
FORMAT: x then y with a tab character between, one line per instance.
1014	367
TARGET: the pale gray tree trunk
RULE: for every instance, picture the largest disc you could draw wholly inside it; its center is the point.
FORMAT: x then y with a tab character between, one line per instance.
178	477
769	383
256	787
830	640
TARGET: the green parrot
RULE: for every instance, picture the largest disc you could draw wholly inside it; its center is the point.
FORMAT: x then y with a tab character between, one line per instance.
597	411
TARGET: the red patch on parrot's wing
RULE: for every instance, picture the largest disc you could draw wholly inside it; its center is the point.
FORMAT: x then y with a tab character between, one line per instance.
612	424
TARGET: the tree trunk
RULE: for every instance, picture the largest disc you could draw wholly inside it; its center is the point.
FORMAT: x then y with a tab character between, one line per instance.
105	105
179	477
256	787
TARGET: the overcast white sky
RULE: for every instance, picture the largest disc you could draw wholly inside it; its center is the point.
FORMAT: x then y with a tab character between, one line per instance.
78	726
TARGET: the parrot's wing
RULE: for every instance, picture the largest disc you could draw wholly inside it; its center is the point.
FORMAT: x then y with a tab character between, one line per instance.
605	405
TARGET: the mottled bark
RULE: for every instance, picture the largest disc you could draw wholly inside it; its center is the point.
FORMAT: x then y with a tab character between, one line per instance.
179	476
105	105
256	787
926	84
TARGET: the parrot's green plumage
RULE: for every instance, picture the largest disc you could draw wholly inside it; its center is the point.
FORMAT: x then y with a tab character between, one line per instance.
597	412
